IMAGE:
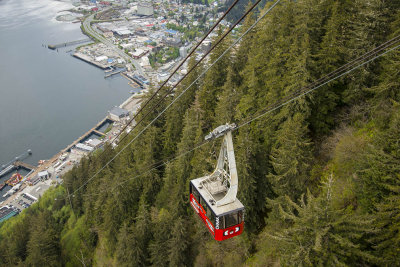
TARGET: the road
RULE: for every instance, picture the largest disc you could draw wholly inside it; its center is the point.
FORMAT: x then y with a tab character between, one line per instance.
88	28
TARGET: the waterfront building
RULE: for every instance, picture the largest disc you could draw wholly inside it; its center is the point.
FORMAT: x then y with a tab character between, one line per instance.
44	175
84	147
117	113
94	142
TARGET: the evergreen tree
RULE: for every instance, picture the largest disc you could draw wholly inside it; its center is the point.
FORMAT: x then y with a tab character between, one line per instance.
291	158
176	113
162	226
179	243
316	233
132	248
44	243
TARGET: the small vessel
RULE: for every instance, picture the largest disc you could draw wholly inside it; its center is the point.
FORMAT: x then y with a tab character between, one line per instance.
15	179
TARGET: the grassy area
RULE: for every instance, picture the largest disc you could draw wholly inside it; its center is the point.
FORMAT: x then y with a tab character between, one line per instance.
108	129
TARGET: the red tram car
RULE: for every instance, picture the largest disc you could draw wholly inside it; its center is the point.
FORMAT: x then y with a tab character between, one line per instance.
223	222
213	197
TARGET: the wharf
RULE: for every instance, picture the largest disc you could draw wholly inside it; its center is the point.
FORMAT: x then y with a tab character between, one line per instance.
114	73
132	82
19	164
87	59
51	161
54	47
88	133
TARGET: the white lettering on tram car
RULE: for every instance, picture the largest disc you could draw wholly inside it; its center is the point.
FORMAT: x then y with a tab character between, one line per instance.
210	225
217	223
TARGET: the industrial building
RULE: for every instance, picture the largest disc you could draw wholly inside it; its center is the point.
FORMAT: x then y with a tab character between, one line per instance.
117	113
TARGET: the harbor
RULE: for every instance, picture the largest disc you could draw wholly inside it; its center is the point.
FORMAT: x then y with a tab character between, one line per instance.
55	46
21	184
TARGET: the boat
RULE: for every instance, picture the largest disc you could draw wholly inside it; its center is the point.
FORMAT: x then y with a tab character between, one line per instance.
15	179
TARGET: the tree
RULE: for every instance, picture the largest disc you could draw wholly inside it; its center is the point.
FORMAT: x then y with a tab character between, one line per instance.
176	113
162	226
44	243
291	158
179	243
314	232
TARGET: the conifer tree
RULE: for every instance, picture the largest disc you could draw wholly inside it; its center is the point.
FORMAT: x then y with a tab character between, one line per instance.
162	226
176	113
132	248
291	158
179	243
44	243
314	232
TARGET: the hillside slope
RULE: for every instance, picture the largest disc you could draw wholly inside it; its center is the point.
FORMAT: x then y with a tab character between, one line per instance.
319	177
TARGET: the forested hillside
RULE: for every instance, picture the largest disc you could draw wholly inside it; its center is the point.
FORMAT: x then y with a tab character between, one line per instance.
319	177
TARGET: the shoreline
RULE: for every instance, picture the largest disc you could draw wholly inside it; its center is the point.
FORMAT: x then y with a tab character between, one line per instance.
133	100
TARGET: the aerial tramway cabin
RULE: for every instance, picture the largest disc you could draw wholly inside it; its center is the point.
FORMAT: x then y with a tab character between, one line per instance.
213	197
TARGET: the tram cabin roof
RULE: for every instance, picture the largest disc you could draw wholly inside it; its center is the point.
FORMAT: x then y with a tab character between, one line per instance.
221	210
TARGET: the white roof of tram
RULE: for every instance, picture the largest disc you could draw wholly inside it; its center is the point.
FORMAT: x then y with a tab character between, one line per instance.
221	210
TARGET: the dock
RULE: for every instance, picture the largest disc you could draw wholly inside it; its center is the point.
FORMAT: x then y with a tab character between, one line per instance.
98	132
19	164
132	82
16	163
54	47
88	133
87	59
114	73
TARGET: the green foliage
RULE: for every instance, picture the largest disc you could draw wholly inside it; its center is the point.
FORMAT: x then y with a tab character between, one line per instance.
315	233
319	177
291	158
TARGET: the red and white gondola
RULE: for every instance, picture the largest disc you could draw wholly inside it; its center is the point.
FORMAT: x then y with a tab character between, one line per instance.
213	197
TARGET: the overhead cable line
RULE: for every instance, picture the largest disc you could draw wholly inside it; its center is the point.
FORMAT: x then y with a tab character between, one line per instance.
169	91
178	67
338	73
201	59
308	91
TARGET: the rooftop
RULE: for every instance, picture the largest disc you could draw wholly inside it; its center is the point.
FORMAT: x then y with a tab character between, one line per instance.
221	210
120	112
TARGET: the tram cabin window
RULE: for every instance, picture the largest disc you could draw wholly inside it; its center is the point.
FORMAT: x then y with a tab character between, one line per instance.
232	219
210	215
195	193
203	203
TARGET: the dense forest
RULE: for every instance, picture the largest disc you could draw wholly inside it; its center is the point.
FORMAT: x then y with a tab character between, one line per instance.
319	177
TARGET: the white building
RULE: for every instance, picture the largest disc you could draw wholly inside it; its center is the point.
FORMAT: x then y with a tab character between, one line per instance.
84	147
117	113
44	175
94	142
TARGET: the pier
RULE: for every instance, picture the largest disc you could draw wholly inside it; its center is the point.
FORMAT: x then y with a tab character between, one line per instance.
16	163
54	47
19	164
132	82
98	132
114	73
88	133
87	59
